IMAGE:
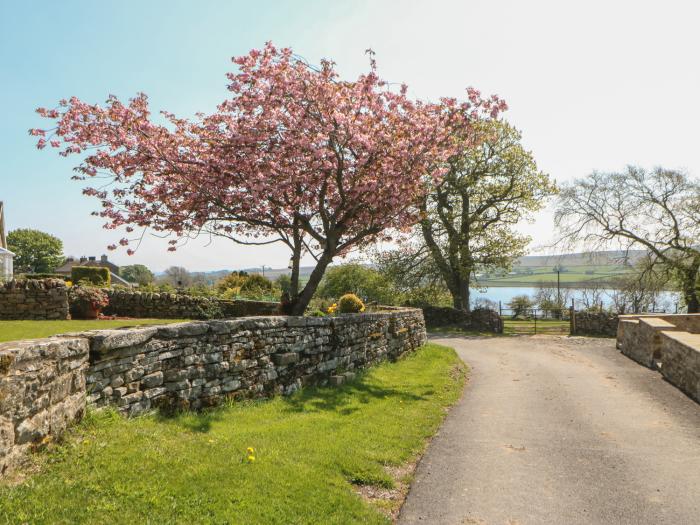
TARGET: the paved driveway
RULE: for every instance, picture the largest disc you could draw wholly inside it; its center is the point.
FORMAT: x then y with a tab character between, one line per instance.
563	431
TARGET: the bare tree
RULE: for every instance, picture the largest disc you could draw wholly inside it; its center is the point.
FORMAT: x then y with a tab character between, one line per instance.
637	292
657	210
591	295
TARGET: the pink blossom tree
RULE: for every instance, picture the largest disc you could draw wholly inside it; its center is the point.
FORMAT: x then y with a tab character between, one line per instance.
295	155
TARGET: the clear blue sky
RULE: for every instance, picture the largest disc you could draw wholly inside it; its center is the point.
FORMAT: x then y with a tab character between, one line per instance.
592	85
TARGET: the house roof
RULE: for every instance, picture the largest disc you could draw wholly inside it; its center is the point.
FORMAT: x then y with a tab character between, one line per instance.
3	251
66	267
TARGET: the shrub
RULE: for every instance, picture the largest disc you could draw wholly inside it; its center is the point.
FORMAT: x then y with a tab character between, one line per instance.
256	282
83	298
233	280
350	304
357	279
45	276
94	274
427	295
316	313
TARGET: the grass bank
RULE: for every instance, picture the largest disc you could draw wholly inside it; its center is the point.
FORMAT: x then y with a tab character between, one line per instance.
313	451
16	330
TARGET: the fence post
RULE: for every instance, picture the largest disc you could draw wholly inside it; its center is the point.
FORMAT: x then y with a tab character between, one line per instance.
500	309
535	311
572	320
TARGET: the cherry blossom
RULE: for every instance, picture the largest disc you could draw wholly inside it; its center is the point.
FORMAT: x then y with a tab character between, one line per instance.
295	154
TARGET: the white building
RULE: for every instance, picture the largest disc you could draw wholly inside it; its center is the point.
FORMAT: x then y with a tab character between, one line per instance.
6	256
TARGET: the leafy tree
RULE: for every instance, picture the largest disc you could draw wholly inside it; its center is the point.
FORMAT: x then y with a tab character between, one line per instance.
354	278
137	273
178	277
468	217
657	211
551	300
35	251
521	305
295	156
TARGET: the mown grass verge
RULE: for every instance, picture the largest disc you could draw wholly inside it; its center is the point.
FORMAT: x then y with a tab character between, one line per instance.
17	330
310	449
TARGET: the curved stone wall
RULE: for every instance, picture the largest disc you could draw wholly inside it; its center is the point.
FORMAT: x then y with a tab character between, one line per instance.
46	384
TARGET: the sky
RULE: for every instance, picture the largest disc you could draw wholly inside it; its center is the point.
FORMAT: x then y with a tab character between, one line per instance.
592	85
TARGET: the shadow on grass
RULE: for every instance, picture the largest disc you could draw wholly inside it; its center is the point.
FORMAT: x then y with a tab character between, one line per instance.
194	421
339	399
309	399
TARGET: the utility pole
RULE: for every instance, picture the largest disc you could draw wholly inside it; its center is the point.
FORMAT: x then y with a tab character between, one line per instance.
558	291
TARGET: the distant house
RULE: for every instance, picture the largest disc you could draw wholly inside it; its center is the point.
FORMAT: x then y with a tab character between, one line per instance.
6	256
67	266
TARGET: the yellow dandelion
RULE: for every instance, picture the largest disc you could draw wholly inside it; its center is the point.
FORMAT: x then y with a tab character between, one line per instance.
251	459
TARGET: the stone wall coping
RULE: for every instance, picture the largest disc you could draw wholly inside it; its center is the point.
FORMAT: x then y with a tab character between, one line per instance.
685	338
629	317
29	284
656	322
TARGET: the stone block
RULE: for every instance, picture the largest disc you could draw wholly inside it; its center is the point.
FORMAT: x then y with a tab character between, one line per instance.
285	359
152	380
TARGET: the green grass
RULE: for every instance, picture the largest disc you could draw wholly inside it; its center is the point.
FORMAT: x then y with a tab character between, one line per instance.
16	330
544	326
510	327
310	449
575	275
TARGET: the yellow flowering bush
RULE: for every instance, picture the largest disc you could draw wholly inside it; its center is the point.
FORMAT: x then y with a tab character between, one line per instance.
350	304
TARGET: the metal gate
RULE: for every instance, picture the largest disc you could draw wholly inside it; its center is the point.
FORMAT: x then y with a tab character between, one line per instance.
531	321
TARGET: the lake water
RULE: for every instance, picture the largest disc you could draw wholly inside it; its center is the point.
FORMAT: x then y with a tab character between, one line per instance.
667	300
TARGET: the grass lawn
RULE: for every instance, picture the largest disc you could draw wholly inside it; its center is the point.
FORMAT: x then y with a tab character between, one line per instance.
16	330
312	452
544	326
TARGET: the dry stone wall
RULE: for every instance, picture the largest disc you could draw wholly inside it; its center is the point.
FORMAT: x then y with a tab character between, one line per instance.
42	391
668	343
199	364
34	299
47	383
127	303
479	319
594	323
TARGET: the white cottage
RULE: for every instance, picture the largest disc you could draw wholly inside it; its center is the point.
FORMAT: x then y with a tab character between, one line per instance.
6	256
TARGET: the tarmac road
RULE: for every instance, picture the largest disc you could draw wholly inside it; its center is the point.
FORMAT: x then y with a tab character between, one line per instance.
559	430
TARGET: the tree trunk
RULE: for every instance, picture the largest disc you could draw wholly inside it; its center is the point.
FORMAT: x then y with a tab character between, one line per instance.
692	301
464	294
301	301
296	261
689	285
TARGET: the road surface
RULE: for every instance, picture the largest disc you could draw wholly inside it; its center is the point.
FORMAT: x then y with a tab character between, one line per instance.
563	431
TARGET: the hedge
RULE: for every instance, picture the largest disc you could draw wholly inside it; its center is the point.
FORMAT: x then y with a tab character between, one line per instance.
44	276
95	274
